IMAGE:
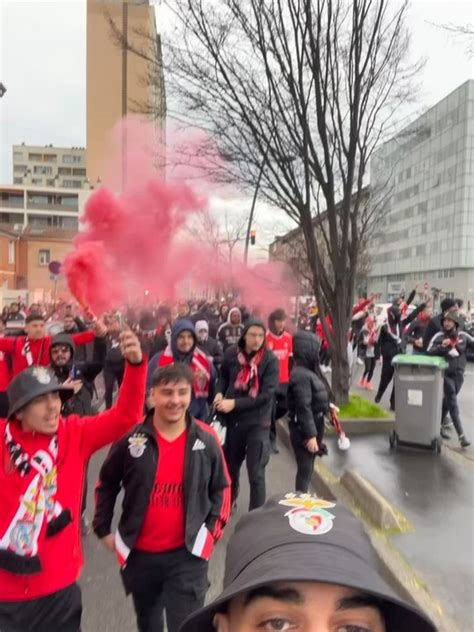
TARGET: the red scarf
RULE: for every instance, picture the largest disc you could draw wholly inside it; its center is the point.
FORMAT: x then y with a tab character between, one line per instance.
201	367
247	377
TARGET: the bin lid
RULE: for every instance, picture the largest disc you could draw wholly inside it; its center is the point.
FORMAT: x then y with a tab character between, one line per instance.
417	359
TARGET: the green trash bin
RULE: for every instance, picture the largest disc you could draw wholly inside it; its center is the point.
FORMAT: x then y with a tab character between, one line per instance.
418	400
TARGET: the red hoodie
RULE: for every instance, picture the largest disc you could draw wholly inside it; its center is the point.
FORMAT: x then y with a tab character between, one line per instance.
78	438
39	349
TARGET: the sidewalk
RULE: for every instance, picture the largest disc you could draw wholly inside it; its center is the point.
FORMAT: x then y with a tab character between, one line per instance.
435	493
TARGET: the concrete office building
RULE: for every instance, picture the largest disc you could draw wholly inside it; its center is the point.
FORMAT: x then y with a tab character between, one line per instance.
49	166
120	82
426	234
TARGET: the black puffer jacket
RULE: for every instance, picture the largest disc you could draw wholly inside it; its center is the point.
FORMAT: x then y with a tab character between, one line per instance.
257	410
308	395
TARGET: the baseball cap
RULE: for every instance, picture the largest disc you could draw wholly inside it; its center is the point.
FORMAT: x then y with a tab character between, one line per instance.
31	383
299	537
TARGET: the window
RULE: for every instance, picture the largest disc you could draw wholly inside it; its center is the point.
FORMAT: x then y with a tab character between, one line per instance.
35	157
67	159
11	252
64	171
37	181
420	250
49	157
19	168
451	273
46	170
79	171
50	183
72	184
17	155
43	257
17	180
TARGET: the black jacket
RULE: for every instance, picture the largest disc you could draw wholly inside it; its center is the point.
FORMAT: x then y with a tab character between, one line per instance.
416	331
131	464
457	360
308	396
213	350
391	333
255	411
81	402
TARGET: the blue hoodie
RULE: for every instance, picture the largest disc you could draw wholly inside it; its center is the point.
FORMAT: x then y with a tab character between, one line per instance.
199	408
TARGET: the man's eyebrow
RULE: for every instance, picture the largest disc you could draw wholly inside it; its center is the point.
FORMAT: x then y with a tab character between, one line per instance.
359	601
288	595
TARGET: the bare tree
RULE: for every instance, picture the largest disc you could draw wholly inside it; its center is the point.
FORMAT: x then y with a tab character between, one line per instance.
297	94
463	33
222	235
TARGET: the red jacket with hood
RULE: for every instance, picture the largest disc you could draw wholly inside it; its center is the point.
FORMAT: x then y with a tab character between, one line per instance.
78	438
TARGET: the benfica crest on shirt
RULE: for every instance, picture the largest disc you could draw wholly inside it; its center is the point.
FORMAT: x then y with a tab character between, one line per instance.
137	445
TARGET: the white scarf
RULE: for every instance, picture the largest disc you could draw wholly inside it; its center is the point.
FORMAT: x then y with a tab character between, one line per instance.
38	502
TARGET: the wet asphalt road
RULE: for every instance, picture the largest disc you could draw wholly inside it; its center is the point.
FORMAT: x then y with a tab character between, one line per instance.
106	608
435	493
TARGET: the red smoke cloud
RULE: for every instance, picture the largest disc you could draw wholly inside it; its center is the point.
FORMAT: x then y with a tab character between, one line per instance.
137	241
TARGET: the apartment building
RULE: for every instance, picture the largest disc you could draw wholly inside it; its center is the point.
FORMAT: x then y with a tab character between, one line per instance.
49	166
41	208
120	82
426	234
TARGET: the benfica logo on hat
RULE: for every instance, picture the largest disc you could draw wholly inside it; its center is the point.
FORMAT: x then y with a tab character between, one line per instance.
42	375
308	514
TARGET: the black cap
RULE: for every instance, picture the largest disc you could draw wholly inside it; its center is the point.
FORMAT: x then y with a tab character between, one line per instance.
31	383
299	537
33	317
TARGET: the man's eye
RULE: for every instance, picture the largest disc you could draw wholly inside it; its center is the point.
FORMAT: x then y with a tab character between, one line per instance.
272	625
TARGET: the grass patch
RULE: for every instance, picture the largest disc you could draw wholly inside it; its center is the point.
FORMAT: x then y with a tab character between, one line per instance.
361	408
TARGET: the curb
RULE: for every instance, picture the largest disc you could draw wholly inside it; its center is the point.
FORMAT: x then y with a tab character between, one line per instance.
380	512
395	568
368	426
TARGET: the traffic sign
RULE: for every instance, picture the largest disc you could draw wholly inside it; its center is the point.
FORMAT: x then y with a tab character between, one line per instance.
54	267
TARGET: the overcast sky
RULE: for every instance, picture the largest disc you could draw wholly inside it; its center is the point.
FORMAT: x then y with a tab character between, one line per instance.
43	53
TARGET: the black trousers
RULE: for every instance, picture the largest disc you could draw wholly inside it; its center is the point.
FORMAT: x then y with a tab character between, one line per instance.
450	402
279	409
174	582
59	612
386	377
304	459
111	376
252	444
368	368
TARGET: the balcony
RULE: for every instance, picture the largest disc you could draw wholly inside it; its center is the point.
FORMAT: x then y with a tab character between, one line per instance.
43	206
11	203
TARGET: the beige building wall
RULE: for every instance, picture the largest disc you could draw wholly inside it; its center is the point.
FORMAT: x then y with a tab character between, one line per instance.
117	79
49	166
33	262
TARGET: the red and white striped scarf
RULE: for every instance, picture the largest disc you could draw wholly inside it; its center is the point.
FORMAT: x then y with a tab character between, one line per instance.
201	367
247	377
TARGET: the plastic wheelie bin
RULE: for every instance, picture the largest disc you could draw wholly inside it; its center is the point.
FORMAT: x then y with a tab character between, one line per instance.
418	401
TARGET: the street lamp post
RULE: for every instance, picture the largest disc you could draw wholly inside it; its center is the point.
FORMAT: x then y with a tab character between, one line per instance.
254	201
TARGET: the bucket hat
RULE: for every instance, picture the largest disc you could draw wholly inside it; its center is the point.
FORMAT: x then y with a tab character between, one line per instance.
298	537
31	383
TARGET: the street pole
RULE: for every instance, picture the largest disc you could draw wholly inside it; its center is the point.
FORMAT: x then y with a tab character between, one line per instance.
254	201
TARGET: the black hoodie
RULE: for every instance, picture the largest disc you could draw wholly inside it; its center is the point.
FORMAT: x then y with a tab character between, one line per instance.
308	394
254	411
81	402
